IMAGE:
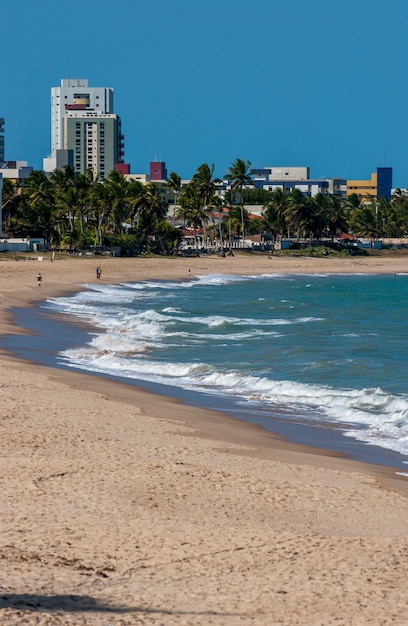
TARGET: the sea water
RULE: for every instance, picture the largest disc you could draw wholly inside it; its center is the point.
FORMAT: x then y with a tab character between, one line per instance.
331	348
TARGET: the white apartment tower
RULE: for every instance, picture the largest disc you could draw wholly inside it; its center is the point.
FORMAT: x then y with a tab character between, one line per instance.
85	131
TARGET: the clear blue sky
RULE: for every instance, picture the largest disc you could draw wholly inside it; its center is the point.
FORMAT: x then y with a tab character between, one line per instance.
318	83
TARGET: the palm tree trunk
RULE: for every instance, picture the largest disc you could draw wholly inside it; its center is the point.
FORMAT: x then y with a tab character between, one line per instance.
242	224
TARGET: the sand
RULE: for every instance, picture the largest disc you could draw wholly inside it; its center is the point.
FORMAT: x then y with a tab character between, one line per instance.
123	507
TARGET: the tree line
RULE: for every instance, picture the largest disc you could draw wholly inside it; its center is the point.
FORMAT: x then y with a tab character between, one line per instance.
77	211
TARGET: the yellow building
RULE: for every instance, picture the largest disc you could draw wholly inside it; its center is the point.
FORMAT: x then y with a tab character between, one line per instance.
363	188
378	185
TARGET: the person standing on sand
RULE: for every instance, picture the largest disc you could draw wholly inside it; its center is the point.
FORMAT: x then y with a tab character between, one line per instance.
39	279
98	272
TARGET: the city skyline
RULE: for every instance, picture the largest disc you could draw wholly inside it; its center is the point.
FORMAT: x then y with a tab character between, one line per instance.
320	86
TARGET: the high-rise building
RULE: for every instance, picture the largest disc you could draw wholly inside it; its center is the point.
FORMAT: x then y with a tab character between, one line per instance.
85	131
1	140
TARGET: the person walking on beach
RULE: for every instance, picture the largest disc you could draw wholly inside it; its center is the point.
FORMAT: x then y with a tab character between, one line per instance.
98	272
39	279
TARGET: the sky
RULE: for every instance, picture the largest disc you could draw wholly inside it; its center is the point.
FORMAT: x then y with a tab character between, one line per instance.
321	83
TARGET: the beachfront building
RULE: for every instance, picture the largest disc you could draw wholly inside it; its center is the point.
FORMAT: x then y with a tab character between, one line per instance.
85	131
290	178
378	186
1	140
16	171
337	187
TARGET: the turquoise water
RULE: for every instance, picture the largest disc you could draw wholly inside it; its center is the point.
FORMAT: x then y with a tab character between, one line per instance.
332	348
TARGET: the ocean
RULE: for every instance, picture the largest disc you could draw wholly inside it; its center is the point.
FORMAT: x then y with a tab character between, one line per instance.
326	351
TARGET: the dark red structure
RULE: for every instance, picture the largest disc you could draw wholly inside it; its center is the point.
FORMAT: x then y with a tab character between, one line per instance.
158	170
123	168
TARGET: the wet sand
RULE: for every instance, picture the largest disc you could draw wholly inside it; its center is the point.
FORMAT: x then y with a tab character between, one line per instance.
125	507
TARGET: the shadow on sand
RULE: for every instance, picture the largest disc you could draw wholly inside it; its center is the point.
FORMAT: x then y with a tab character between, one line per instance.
74	603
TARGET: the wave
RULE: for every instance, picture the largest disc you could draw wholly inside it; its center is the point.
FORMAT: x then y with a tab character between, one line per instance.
369	415
152	331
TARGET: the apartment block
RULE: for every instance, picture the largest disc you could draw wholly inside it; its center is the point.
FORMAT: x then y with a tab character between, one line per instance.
85	131
95	142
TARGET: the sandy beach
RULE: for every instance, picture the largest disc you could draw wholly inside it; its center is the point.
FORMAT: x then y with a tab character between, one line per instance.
121	507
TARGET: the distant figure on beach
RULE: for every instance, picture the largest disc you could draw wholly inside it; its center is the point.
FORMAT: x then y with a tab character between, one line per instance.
39	279
98	272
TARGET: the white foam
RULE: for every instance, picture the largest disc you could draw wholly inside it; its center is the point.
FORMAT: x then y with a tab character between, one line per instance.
131	338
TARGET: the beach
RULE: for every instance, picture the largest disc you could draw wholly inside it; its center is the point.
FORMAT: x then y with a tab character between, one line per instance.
121	506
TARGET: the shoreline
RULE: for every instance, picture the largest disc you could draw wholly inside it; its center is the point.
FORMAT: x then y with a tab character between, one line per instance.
59	332
85	473
290	265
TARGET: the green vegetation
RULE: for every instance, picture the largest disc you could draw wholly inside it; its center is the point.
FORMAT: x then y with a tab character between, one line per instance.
75	211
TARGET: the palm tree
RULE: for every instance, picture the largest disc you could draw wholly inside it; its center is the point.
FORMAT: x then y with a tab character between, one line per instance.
335	216
11	202
205	186
68	204
136	199
118	189
299	212
174	184
216	204
239	176
72	195
62	179
275	213
100	210
85	183
396	219
154	203
364	221
39	206
191	209
237	217
152	212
